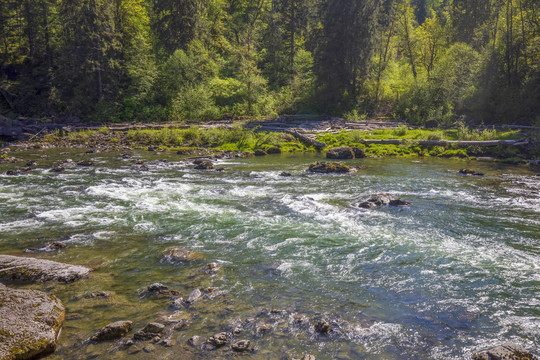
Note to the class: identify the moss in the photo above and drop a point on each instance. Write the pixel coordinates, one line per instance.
(458, 153)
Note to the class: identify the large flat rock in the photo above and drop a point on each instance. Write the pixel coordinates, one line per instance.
(15, 269)
(30, 323)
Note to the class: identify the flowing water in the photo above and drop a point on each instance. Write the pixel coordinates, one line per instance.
(456, 272)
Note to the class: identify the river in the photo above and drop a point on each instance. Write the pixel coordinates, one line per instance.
(456, 272)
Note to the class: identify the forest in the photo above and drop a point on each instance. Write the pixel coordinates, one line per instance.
(176, 60)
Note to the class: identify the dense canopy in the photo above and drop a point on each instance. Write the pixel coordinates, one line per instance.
(150, 60)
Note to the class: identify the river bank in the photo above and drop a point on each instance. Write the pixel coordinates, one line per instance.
(508, 146)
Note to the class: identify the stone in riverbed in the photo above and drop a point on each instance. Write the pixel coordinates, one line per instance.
(218, 340)
(382, 200)
(508, 351)
(205, 165)
(195, 296)
(150, 331)
(113, 331)
(24, 270)
(470, 172)
(31, 322)
(241, 345)
(330, 167)
(322, 326)
(260, 152)
(180, 255)
(194, 340)
(98, 295)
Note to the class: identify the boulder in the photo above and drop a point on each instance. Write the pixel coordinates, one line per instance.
(470, 172)
(260, 152)
(195, 296)
(322, 326)
(341, 153)
(218, 340)
(205, 165)
(87, 162)
(359, 153)
(508, 351)
(150, 331)
(273, 150)
(31, 322)
(181, 255)
(27, 270)
(330, 167)
(382, 200)
(113, 331)
(241, 345)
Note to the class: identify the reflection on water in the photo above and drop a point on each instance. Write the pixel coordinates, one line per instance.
(456, 272)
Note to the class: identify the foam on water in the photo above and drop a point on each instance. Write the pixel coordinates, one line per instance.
(439, 278)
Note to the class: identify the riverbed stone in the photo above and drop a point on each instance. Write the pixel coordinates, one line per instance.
(181, 255)
(195, 296)
(30, 323)
(194, 340)
(470, 172)
(112, 331)
(382, 200)
(322, 326)
(205, 165)
(507, 351)
(17, 269)
(150, 331)
(260, 152)
(330, 167)
(241, 345)
(218, 340)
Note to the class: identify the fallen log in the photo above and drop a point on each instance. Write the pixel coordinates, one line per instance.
(309, 140)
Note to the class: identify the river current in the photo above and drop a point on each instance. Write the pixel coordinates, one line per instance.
(456, 272)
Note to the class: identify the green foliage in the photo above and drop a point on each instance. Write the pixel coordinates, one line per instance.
(144, 60)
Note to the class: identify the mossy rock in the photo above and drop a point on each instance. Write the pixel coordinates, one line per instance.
(31, 322)
(330, 167)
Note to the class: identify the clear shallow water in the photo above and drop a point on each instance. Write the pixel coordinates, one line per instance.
(455, 273)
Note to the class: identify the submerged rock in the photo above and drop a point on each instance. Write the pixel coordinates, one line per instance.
(31, 322)
(112, 331)
(382, 200)
(98, 295)
(322, 326)
(218, 340)
(195, 296)
(285, 174)
(51, 246)
(330, 167)
(181, 255)
(508, 351)
(160, 289)
(150, 331)
(86, 162)
(23, 270)
(241, 345)
(260, 152)
(194, 340)
(470, 172)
